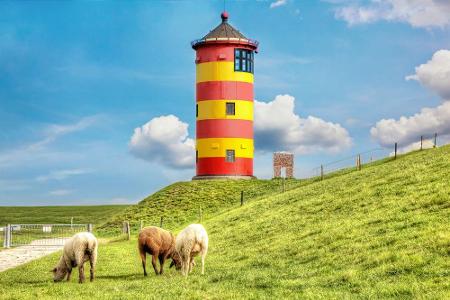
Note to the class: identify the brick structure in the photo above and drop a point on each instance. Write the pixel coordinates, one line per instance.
(283, 160)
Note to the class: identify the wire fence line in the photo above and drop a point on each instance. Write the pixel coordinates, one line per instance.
(349, 163)
(356, 161)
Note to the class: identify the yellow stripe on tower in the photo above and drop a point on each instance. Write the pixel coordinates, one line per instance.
(216, 109)
(221, 71)
(216, 147)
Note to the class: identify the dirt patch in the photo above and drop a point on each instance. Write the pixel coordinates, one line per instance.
(11, 258)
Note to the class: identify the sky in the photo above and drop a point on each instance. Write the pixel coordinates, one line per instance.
(97, 99)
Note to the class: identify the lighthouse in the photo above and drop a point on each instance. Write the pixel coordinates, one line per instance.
(224, 103)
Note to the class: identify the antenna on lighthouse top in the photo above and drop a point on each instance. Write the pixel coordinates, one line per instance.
(224, 14)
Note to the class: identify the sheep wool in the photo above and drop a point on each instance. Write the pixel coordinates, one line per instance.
(191, 241)
(80, 248)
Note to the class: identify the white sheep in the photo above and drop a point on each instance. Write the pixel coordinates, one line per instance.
(80, 248)
(189, 243)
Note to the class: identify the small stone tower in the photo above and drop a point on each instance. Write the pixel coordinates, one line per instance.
(283, 160)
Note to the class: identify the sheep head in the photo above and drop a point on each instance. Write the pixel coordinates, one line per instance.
(59, 274)
(176, 261)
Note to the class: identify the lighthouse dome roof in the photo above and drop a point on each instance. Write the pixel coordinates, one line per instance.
(224, 32)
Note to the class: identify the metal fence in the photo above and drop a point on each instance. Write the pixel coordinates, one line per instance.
(356, 161)
(40, 234)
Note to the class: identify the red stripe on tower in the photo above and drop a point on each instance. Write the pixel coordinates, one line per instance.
(224, 90)
(217, 166)
(215, 128)
(217, 52)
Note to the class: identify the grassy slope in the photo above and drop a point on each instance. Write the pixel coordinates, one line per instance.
(381, 232)
(180, 203)
(58, 214)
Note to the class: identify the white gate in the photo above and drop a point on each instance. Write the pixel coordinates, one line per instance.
(40, 234)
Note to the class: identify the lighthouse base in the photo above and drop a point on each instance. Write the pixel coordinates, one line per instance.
(223, 177)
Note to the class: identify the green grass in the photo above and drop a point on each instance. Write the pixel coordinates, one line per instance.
(382, 232)
(57, 214)
(180, 203)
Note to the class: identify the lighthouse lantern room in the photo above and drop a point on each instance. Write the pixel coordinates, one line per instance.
(224, 103)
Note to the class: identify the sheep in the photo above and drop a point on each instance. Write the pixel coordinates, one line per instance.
(77, 250)
(189, 243)
(159, 243)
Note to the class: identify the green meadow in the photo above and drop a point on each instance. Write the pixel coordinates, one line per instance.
(382, 232)
(58, 214)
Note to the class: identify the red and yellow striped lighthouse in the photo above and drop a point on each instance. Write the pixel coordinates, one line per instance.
(224, 98)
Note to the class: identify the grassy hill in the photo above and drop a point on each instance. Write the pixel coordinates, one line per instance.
(382, 232)
(58, 214)
(180, 203)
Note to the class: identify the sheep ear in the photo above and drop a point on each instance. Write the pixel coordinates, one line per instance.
(172, 264)
(53, 270)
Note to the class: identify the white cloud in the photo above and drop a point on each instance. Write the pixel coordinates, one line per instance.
(417, 13)
(62, 174)
(435, 74)
(60, 192)
(39, 150)
(165, 140)
(278, 3)
(277, 127)
(407, 130)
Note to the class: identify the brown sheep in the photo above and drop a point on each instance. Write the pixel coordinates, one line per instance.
(159, 243)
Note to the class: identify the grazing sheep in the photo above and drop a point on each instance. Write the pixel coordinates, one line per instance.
(189, 243)
(159, 243)
(77, 250)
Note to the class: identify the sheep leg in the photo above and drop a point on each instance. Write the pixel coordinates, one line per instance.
(155, 267)
(162, 259)
(144, 261)
(191, 264)
(69, 272)
(81, 273)
(203, 255)
(185, 265)
(91, 271)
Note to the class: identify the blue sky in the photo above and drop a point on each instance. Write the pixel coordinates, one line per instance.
(77, 78)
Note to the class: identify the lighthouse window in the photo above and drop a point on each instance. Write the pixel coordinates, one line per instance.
(230, 156)
(243, 60)
(230, 109)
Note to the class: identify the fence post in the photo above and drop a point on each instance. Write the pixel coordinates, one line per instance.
(395, 155)
(421, 142)
(142, 225)
(284, 187)
(126, 229)
(4, 237)
(71, 222)
(435, 140)
(161, 222)
(242, 198)
(89, 227)
(8, 236)
(321, 172)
